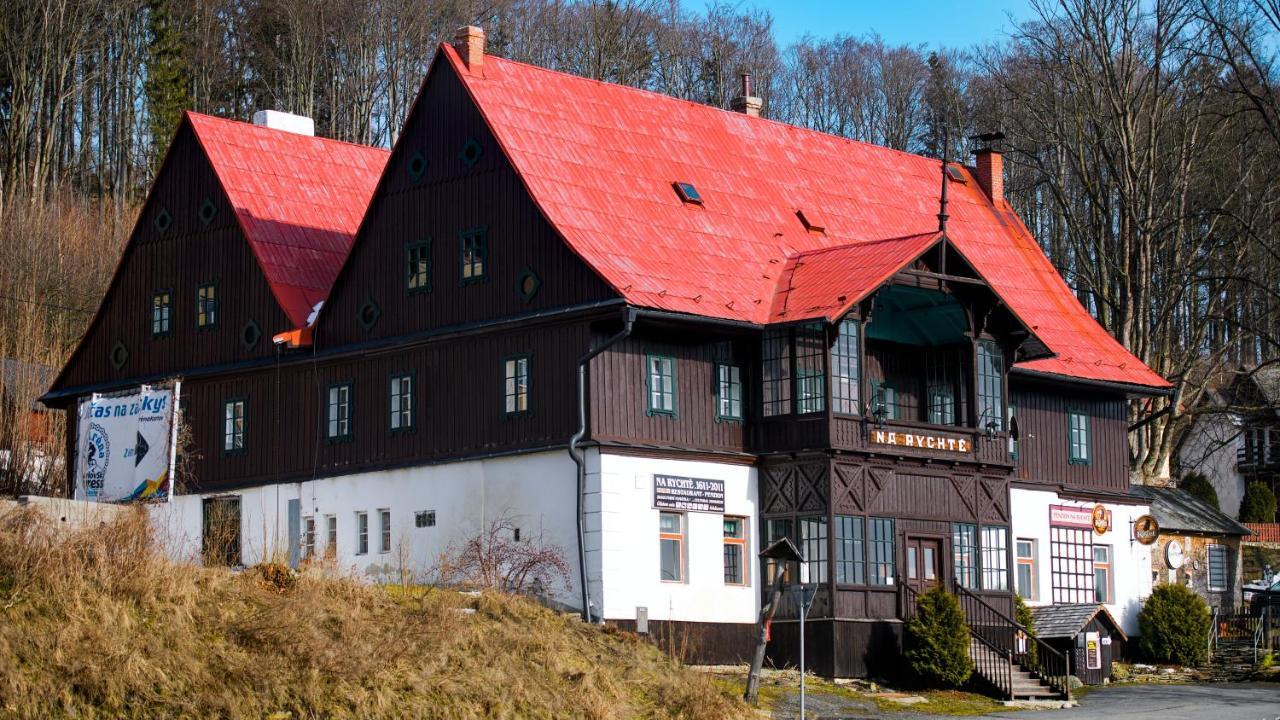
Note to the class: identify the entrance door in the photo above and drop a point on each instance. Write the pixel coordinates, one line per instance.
(924, 562)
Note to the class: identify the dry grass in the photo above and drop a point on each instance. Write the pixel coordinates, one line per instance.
(97, 624)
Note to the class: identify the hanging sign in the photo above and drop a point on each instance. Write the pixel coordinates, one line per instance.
(1101, 518)
(690, 494)
(1146, 529)
(922, 441)
(125, 445)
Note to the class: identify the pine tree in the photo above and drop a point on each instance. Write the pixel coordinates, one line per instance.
(168, 84)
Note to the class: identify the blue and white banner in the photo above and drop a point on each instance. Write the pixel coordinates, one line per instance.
(125, 445)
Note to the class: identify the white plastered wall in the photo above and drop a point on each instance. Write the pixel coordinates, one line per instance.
(536, 490)
(1131, 574)
(623, 544)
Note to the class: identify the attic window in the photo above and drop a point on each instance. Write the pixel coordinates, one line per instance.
(207, 211)
(417, 166)
(688, 193)
(471, 152)
(954, 174)
(811, 221)
(163, 220)
(250, 334)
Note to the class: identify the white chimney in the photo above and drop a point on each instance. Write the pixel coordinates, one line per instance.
(287, 122)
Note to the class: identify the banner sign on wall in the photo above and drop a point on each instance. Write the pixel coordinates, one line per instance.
(1067, 516)
(125, 445)
(692, 494)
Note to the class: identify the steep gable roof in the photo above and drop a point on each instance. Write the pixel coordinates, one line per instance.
(601, 159)
(299, 200)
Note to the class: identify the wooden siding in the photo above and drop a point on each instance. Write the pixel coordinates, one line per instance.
(449, 198)
(458, 394)
(187, 254)
(1043, 446)
(618, 408)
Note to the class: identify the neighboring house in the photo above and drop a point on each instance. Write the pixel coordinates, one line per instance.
(741, 329)
(1235, 438)
(29, 455)
(1198, 546)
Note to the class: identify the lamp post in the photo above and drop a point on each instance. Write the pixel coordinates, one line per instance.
(803, 596)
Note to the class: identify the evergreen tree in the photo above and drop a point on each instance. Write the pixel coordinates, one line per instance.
(1259, 504)
(1197, 485)
(937, 642)
(168, 84)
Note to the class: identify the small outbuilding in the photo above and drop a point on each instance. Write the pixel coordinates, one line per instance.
(1086, 633)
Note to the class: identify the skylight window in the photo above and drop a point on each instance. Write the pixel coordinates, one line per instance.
(688, 193)
(954, 174)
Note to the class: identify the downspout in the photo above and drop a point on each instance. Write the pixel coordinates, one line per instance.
(579, 458)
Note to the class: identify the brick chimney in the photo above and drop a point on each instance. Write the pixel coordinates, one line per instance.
(469, 42)
(990, 171)
(747, 103)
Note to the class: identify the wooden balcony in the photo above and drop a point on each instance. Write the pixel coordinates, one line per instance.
(1258, 458)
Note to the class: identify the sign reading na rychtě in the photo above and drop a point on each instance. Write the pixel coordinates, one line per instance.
(690, 494)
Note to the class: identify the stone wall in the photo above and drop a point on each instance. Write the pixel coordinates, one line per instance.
(1194, 571)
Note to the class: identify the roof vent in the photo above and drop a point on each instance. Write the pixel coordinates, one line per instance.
(288, 122)
(812, 221)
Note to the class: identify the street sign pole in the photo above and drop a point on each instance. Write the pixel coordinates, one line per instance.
(803, 593)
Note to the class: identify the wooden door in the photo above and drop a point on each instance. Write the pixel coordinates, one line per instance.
(924, 563)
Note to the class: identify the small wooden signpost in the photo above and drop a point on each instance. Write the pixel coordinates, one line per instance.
(782, 551)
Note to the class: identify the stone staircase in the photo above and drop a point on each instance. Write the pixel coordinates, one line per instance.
(1232, 661)
(1026, 685)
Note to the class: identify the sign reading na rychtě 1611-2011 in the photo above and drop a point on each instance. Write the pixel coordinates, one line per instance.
(691, 494)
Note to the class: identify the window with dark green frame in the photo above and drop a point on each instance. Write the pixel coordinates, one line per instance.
(941, 367)
(1079, 450)
(418, 267)
(884, 399)
(990, 379)
(775, 371)
(161, 311)
(728, 392)
(964, 546)
(813, 545)
(846, 376)
(660, 374)
(883, 557)
(811, 379)
(515, 385)
(207, 305)
(401, 402)
(233, 415)
(338, 416)
(474, 256)
(850, 553)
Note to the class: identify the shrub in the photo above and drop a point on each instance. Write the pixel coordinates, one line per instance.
(1174, 626)
(1022, 615)
(1258, 505)
(937, 641)
(1197, 485)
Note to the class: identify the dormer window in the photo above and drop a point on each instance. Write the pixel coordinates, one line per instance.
(688, 193)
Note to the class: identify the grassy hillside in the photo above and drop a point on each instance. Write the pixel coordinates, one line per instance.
(97, 624)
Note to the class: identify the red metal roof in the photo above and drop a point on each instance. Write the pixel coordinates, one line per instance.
(600, 160)
(826, 283)
(299, 200)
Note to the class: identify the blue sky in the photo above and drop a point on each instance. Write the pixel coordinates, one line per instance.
(935, 23)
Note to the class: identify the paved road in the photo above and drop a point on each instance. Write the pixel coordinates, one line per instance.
(1236, 701)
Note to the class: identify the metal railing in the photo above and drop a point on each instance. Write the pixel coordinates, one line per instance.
(999, 643)
(1213, 632)
(1016, 642)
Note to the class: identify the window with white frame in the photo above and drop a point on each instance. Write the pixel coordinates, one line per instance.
(1102, 574)
(1217, 567)
(362, 533)
(1071, 565)
(845, 369)
(995, 558)
(661, 381)
(883, 554)
(331, 535)
(308, 537)
(1026, 558)
(233, 425)
(671, 546)
(384, 539)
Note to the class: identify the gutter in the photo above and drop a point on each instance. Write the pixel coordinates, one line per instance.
(1126, 388)
(579, 457)
(1166, 410)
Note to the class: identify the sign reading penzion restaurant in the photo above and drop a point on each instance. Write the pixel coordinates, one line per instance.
(691, 494)
(922, 441)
